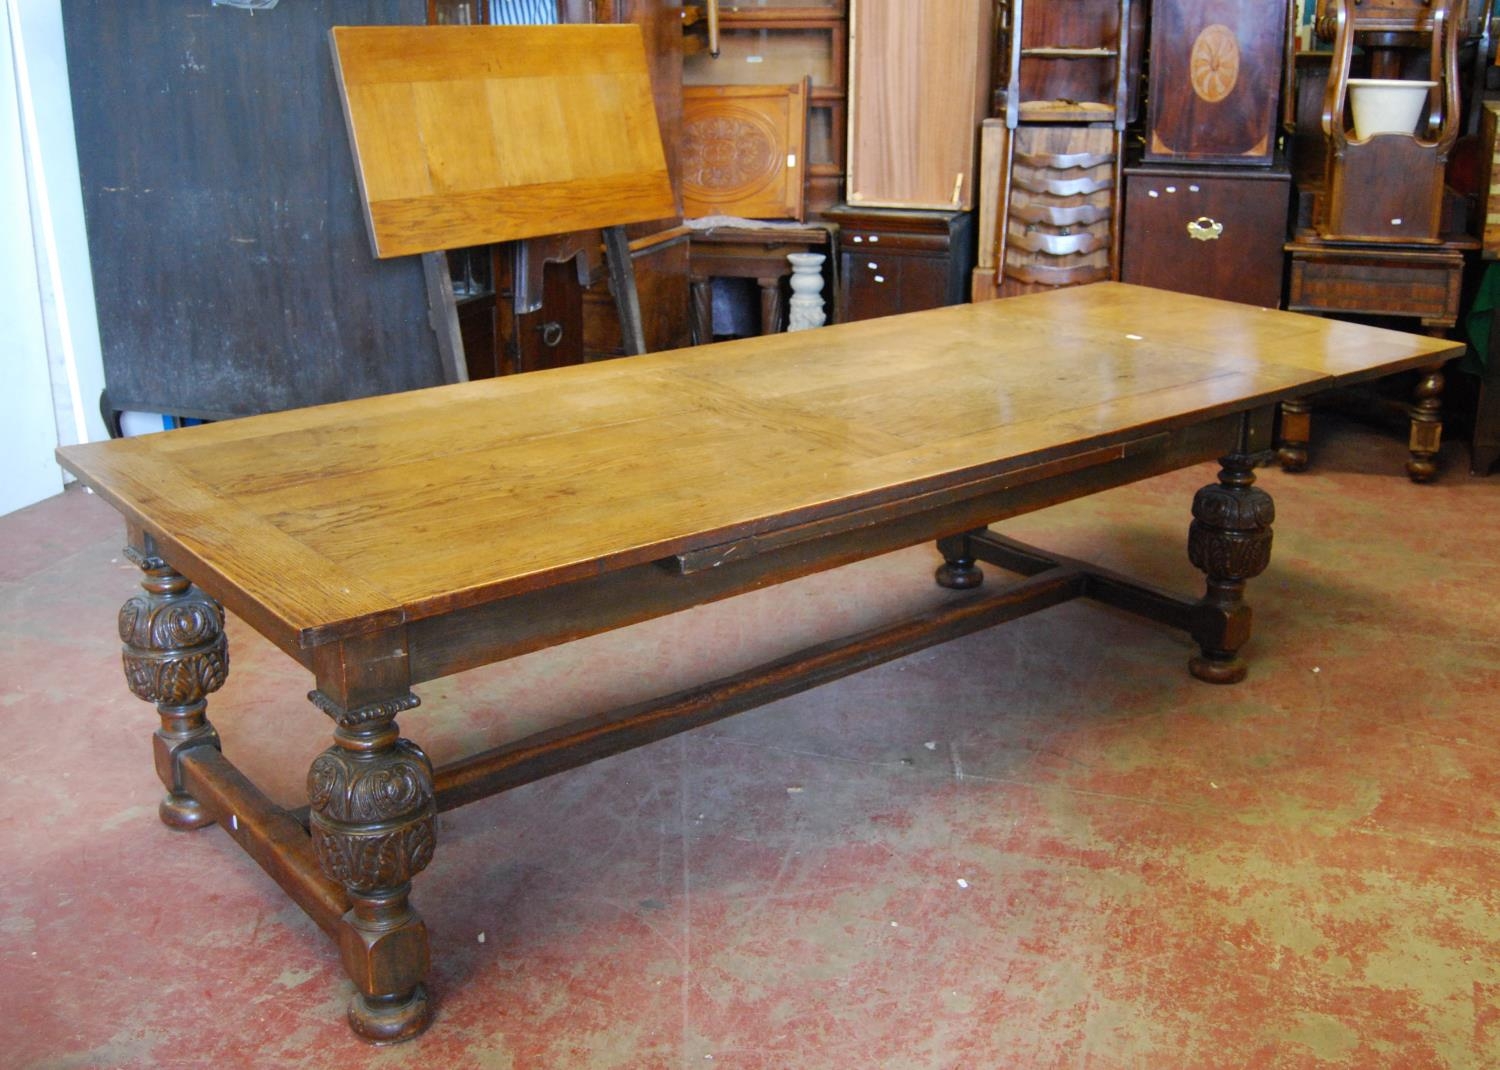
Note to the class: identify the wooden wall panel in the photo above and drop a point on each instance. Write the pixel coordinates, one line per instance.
(232, 274)
(919, 85)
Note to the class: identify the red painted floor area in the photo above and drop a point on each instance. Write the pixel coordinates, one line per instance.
(1040, 846)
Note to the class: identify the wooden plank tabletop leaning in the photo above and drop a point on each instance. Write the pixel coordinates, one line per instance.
(393, 540)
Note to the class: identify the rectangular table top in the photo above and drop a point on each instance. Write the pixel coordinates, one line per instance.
(338, 519)
(464, 135)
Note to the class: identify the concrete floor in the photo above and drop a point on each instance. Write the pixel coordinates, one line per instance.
(1041, 846)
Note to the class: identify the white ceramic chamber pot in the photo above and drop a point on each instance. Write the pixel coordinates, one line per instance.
(1386, 105)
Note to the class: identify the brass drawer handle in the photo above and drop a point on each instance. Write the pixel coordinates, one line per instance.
(1204, 229)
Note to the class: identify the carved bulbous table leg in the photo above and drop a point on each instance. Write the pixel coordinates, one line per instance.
(1426, 427)
(958, 572)
(175, 655)
(1230, 541)
(373, 824)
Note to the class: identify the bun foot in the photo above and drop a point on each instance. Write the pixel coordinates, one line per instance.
(390, 1019)
(1292, 458)
(1212, 670)
(181, 811)
(1422, 469)
(959, 575)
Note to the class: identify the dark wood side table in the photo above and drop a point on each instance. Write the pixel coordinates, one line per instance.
(1420, 282)
(901, 259)
(758, 253)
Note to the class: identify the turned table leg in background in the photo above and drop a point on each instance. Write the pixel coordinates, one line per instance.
(175, 654)
(1230, 541)
(771, 304)
(373, 825)
(1420, 283)
(1295, 434)
(701, 290)
(1426, 425)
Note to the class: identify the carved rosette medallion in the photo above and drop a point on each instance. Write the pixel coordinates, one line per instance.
(175, 653)
(373, 815)
(1214, 65)
(729, 156)
(1230, 537)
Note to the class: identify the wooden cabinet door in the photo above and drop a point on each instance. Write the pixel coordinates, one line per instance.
(1215, 80)
(1211, 233)
(919, 85)
(742, 150)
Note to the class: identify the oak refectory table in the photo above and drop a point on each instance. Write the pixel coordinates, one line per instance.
(392, 540)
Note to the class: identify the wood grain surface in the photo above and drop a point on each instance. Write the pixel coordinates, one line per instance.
(465, 135)
(918, 88)
(347, 517)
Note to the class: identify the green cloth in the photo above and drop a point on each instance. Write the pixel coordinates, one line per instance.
(1477, 323)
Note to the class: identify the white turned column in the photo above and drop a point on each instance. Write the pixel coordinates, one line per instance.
(807, 291)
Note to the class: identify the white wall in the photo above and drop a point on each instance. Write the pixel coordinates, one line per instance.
(51, 373)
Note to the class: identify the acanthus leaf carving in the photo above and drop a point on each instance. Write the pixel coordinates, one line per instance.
(1230, 536)
(373, 815)
(175, 652)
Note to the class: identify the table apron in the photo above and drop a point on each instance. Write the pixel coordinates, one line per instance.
(479, 635)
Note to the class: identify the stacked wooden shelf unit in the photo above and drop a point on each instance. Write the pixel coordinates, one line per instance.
(1050, 164)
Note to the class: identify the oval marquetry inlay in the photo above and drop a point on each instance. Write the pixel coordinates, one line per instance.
(1215, 63)
(729, 155)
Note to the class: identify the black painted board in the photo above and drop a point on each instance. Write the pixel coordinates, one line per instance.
(232, 271)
